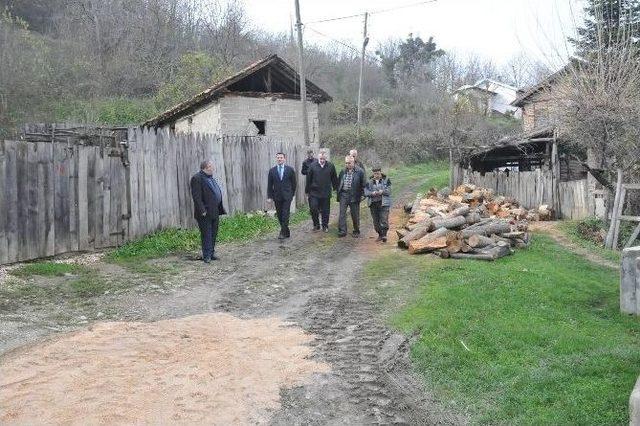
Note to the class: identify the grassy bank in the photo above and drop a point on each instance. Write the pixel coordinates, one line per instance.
(570, 229)
(427, 175)
(535, 338)
(240, 227)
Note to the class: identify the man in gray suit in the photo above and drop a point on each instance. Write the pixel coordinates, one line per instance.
(351, 183)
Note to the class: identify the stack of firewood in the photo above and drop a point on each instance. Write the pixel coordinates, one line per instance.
(468, 223)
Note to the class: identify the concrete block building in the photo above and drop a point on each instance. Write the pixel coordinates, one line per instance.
(263, 99)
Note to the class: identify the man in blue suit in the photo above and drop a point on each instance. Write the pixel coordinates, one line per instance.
(281, 188)
(207, 208)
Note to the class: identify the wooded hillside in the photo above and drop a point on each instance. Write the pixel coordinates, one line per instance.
(121, 62)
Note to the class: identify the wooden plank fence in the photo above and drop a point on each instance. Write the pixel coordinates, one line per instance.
(533, 188)
(59, 197)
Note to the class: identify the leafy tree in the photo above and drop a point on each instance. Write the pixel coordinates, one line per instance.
(409, 62)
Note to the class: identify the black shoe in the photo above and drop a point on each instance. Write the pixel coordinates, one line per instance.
(316, 228)
(281, 235)
(325, 229)
(206, 260)
(355, 234)
(384, 239)
(215, 258)
(341, 235)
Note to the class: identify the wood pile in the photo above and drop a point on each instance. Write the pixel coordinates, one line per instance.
(467, 223)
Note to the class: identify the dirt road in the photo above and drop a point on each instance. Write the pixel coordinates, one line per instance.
(310, 281)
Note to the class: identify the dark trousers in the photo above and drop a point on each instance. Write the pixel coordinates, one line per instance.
(320, 207)
(283, 210)
(208, 234)
(354, 208)
(380, 216)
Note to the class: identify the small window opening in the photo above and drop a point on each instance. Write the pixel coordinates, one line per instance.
(261, 125)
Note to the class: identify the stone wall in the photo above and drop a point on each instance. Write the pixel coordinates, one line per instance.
(630, 281)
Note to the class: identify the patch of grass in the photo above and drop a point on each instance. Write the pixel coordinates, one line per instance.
(47, 269)
(432, 174)
(86, 284)
(546, 341)
(574, 230)
(240, 227)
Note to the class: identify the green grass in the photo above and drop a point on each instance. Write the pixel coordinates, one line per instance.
(47, 269)
(570, 229)
(240, 227)
(432, 174)
(84, 283)
(547, 344)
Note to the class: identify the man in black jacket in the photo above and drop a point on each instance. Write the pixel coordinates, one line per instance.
(321, 179)
(281, 188)
(307, 162)
(350, 190)
(207, 208)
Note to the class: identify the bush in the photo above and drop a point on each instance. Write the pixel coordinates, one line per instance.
(592, 229)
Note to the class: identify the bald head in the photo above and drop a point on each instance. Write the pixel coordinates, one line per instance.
(349, 162)
(354, 154)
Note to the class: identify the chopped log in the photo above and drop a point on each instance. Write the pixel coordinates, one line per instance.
(454, 246)
(449, 223)
(416, 204)
(498, 251)
(478, 241)
(417, 233)
(444, 254)
(429, 242)
(514, 234)
(415, 247)
(473, 218)
(482, 210)
(489, 254)
(500, 240)
(493, 227)
(401, 233)
(465, 248)
(435, 212)
(460, 211)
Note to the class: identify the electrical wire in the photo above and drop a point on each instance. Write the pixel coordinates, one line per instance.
(391, 9)
(344, 44)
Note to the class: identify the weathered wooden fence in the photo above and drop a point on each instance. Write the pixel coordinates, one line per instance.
(58, 197)
(534, 188)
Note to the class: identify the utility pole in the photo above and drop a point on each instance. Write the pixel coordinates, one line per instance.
(364, 47)
(303, 79)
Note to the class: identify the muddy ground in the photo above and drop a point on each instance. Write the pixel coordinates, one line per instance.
(311, 280)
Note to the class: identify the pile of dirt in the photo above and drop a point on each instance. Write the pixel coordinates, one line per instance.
(204, 369)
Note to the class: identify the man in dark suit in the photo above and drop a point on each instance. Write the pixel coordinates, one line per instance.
(307, 162)
(350, 192)
(207, 208)
(281, 188)
(321, 179)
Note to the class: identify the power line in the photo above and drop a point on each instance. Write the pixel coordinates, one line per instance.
(391, 9)
(344, 44)
(335, 19)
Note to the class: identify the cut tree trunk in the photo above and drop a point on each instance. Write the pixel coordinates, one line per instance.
(429, 242)
(417, 233)
(460, 211)
(494, 227)
(449, 223)
(478, 241)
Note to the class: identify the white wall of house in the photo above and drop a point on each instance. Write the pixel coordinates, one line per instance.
(233, 115)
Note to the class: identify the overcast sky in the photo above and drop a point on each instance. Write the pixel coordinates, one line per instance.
(496, 29)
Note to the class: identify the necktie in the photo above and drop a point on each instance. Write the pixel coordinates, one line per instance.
(280, 172)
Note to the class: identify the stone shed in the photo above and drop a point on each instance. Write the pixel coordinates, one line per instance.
(263, 99)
